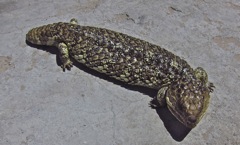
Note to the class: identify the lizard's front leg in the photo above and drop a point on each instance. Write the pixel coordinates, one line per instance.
(159, 100)
(64, 56)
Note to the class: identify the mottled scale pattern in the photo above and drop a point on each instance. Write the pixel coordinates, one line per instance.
(184, 90)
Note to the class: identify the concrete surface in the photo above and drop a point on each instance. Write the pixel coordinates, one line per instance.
(42, 105)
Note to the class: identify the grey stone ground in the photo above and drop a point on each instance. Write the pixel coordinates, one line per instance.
(41, 105)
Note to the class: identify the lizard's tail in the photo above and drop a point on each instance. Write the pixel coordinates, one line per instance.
(43, 35)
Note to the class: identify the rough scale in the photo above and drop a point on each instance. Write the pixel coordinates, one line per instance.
(184, 90)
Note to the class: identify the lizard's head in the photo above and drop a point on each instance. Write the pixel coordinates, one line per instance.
(188, 99)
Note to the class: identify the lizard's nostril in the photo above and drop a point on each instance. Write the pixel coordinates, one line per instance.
(192, 119)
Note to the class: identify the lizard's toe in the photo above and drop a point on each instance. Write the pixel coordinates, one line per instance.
(67, 65)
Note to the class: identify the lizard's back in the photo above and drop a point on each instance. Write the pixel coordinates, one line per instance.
(118, 55)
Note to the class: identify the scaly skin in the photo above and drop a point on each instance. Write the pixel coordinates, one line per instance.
(185, 91)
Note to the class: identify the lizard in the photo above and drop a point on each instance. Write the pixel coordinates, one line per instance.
(184, 90)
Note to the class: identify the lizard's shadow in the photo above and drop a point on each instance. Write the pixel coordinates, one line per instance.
(176, 129)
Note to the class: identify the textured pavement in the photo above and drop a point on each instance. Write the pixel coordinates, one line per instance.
(42, 105)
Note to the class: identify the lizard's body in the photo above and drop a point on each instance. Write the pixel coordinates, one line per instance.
(133, 61)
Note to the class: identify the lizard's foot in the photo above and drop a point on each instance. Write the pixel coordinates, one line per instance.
(154, 103)
(64, 56)
(74, 21)
(159, 100)
(210, 86)
(67, 65)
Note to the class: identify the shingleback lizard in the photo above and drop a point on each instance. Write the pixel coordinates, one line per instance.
(184, 90)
